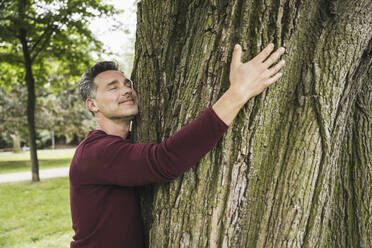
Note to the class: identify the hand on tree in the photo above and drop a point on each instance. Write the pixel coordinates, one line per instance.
(251, 78)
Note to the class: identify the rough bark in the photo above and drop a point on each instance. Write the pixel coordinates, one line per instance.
(295, 167)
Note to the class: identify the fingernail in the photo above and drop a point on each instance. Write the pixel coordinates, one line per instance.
(271, 45)
(282, 49)
(236, 46)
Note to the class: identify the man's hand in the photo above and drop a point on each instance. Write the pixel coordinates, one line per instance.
(251, 78)
(248, 80)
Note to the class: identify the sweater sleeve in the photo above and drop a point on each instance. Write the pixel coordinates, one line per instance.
(126, 164)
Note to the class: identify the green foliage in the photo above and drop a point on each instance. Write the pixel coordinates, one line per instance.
(66, 114)
(13, 111)
(57, 35)
(43, 138)
(62, 112)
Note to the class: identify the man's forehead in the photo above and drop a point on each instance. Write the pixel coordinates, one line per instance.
(108, 76)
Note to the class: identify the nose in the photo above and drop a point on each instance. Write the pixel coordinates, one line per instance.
(126, 90)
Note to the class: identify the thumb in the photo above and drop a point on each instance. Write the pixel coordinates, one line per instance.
(236, 57)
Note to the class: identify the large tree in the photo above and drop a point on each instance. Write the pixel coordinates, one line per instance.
(295, 167)
(39, 37)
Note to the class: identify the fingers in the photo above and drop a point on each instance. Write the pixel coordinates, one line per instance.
(236, 56)
(274, 57)
(273, 79)
(264, 53)
(273, 74)
(273, 70)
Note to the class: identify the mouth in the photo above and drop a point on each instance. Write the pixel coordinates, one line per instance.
(127, 101)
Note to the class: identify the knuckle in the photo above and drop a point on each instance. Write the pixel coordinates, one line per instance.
(270, 61)
(267, 73)
(262, 68)
(277, 67)
(267, 52)
(263, 76)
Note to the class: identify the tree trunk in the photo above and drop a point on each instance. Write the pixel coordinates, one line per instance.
(31, 98)
(294, 169)
(16, 142)
(53, 140)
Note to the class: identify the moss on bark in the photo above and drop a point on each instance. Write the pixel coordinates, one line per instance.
(294, 169)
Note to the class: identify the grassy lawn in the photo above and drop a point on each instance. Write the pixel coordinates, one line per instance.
(35, 214)
(16, 162)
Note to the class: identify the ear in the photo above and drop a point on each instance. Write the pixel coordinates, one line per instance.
(91, 105)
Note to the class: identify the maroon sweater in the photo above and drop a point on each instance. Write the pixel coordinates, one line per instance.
(106, 169)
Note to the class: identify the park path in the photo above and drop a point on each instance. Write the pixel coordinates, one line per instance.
(24, 176)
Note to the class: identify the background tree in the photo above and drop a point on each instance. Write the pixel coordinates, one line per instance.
(61, 114)
(13, 124)
(66, 115)
(43, 36)
(294, 169)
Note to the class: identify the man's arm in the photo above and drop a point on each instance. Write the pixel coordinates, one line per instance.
(248, 80)
(108, 159)
(126, 164)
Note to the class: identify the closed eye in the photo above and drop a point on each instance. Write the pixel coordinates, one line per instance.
(128, 83)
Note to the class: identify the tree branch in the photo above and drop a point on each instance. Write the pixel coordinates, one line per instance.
(46, 32)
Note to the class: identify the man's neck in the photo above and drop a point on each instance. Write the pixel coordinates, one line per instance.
(117, 127)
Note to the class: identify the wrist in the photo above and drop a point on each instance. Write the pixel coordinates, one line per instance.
(228, 106)
(238, 97)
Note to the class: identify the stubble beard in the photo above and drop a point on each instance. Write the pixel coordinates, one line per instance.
(126, 117)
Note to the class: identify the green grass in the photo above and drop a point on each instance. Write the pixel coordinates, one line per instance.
(16, 162)
(35, 214)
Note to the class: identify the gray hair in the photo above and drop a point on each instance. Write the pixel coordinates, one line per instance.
(87, 87)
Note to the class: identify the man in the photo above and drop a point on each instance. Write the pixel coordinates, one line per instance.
(106, 167)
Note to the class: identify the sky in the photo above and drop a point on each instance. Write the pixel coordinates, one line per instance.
(118, 33)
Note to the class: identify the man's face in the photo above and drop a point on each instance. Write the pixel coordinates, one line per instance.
(115, 98)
